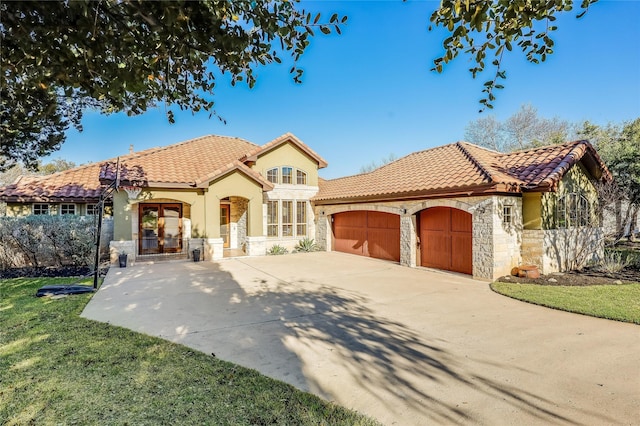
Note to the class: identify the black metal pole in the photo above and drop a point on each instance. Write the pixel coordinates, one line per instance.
(96, 266)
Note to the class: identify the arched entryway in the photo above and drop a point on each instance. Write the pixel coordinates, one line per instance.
(446, 239)
(367, 233)
(160, 228)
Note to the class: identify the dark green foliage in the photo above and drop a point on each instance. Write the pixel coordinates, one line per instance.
(44, 240)
(59, 58)
(487, 29)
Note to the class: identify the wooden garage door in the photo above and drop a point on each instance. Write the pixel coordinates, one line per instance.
(367, 233)
(445, 239)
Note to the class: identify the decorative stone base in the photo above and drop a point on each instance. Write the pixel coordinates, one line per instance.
(256, 246)
(214, 248)
(118, 247)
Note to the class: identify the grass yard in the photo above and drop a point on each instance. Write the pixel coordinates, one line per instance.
(617, 302)
(58, 368)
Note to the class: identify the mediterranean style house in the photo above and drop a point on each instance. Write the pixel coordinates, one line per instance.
(457, 207)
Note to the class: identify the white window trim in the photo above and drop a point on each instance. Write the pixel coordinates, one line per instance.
(294, 222)
(33, 209)
(75, 209)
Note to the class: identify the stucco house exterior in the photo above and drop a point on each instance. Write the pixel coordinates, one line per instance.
(457, 207)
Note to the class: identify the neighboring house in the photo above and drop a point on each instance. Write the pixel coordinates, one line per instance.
(458, 207)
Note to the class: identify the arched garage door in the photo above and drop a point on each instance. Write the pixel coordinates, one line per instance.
(445, 239)
(367, 233)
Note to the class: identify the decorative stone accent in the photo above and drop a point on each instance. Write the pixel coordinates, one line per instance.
(214, 248)
(323, 231)
(408, 241)
(256, 246)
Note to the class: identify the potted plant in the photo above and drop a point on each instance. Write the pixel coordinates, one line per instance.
(122, 259)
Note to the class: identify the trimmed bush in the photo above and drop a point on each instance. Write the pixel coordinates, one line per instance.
(42, 241)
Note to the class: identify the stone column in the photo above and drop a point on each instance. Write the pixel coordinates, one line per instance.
(408, 241)
(256, 246)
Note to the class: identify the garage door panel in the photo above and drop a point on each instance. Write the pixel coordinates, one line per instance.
(437, 247)
(461, 253)
(446, 239)
(384, 243)
(350, 240)
(367, 233)
(356, 219)
(460, 221)
(435, 219)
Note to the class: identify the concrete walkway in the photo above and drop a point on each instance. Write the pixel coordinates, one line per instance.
(406, 346)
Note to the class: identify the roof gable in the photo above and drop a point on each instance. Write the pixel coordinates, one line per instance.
(253, 155)
(466, 169)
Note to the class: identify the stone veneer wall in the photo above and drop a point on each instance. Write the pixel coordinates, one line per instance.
(239, 218)
(496, 246)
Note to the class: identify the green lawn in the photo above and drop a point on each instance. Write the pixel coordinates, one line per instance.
(617, 302)
(58, 368)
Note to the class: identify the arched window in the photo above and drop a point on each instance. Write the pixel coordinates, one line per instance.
(301, 177)
(272, 175)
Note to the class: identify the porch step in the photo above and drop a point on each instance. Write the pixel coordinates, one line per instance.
(162, 258)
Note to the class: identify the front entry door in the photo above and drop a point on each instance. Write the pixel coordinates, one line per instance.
(160, 228)
(225, 222)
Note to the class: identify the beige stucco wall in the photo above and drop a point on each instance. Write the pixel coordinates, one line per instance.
(235, 184)
(21, 209)
(288, 155)
(18, 209)
(532, 210)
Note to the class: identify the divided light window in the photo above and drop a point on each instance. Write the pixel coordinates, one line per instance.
(287, 175)
(572, 210)
(272, 218)
(301, 177)
(507, 215)
(272, 175)
(92, 209)
(301, 218)
(287, 218)
(41, 209)
(67, 209)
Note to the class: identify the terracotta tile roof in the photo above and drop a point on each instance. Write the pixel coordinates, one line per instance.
(193, 163)
(464, 169)
(79, 184)
(182, 164)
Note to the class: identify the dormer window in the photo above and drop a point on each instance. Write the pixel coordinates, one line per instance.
(287, 175)
(301, 177)
(272, 175)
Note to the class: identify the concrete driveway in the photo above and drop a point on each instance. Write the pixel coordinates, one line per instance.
(406, 346)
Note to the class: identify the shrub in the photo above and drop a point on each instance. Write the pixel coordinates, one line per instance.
(277, 249)
(614, 261)
(306, 245)
(40, 241)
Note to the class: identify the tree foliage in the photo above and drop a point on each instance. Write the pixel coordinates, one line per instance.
(487, 29)
(61, 57)
(524, 129)
(375, 164)
(619, 147)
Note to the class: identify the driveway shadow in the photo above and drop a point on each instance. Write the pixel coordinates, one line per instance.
(324, 339)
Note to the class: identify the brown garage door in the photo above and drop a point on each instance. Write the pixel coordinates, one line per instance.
(445, 239)
(367, 233)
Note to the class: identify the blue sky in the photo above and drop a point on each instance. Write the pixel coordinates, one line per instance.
(370, 92)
